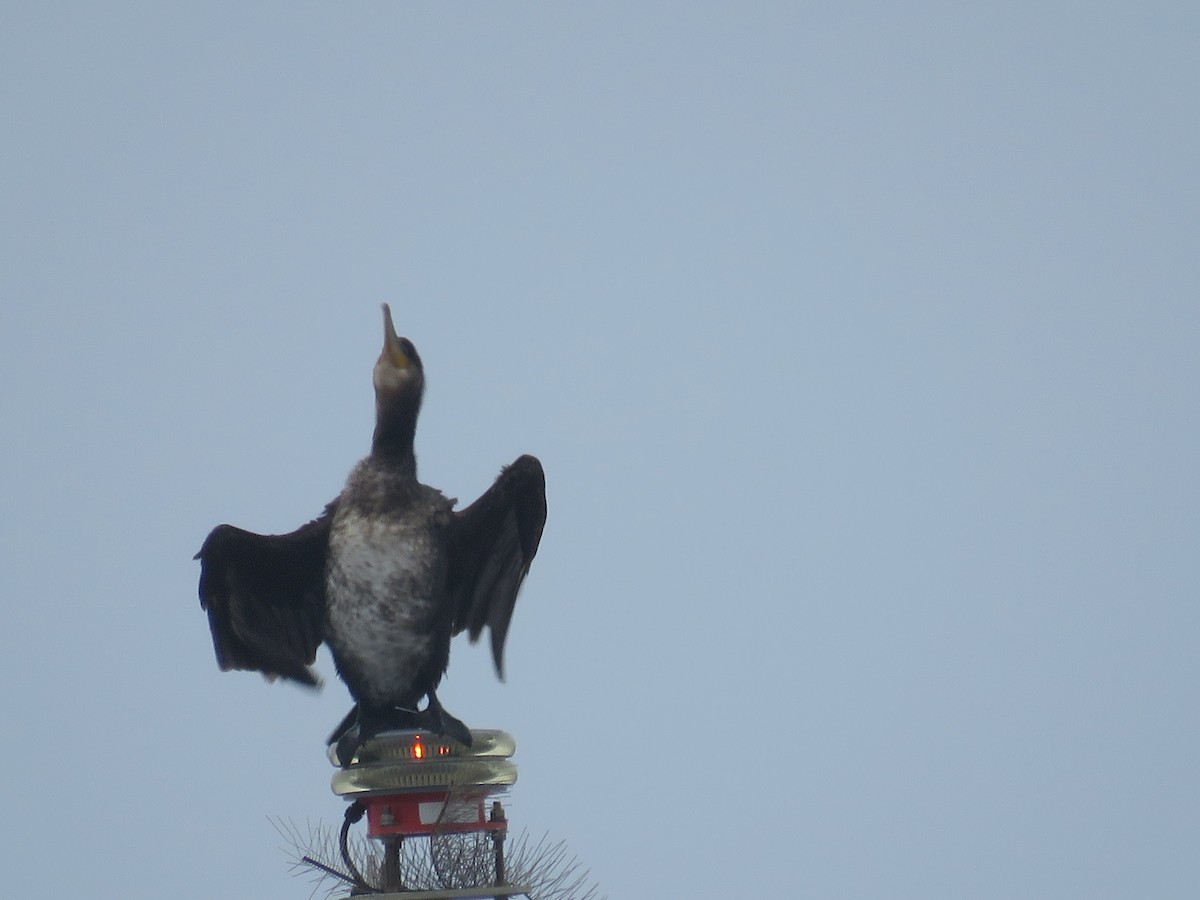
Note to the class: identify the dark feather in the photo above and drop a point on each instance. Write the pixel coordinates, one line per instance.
(265, 597)
(492, 543)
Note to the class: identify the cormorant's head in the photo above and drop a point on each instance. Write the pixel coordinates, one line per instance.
(399, 368)
(399, 384)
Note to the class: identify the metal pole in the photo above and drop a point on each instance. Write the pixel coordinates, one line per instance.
(389, 875)
(498, 835)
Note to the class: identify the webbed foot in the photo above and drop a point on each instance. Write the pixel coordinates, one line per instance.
(347, 723)
(347, 746)
(435, 718)
(363, 722)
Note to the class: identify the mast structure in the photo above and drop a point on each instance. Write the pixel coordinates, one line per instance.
(416, 785)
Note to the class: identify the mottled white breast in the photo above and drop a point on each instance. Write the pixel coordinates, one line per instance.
(384, 583)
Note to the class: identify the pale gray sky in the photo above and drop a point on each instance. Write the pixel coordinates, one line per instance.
(859, 342)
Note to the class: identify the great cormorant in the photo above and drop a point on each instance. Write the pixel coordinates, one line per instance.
(385, 576)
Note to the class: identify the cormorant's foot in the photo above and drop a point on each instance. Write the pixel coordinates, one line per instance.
(363, 723)
(348, 722)
(456, 729)
(347, 745)
(435, 718)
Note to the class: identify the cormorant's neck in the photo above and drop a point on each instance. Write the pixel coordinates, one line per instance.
(395, 428)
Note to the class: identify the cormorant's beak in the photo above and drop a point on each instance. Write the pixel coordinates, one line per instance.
(393, 352)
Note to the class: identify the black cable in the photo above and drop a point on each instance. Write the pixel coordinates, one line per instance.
(354, 812)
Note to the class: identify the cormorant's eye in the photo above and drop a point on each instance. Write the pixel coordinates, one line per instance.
(407, 346)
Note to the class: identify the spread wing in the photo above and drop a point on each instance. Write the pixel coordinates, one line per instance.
(265, 597)
(493, 541)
